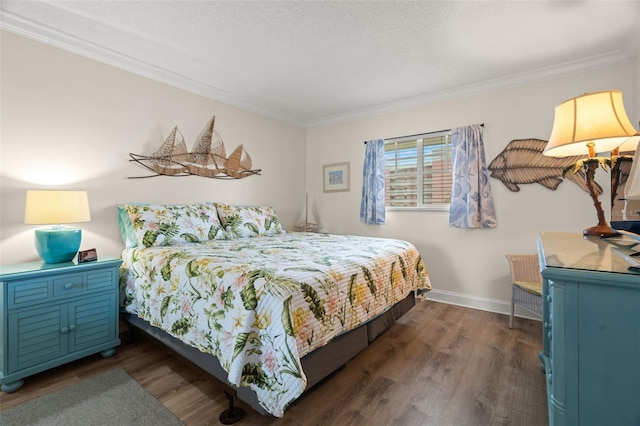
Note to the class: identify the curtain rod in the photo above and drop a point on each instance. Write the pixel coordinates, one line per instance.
(418, 134)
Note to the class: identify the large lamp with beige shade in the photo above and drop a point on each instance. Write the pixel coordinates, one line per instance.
(585, 125)
(48, 207)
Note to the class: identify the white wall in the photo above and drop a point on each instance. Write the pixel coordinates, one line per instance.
(469, 263)
(70, 123)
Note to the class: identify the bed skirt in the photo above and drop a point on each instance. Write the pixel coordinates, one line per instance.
(316, 365)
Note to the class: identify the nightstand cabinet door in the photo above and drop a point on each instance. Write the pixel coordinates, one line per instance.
(92, 321)
(53, 314)
(35, 337)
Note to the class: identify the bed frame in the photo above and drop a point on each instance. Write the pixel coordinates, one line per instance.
(316, 365)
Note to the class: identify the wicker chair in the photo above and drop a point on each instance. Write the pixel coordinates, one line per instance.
(526, 290)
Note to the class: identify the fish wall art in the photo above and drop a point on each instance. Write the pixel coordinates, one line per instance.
(522, 162)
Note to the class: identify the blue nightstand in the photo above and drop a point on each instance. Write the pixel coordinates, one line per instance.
(52, 314)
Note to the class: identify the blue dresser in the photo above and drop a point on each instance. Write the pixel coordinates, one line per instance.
(591, 330)
(55, 313)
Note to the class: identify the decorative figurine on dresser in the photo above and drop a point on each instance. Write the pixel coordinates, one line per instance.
(591, 329)
(56, 310)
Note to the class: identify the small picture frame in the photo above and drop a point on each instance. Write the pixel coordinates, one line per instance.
(90, 255)
(335, 177)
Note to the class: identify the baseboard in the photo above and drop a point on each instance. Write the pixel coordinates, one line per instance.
(481, 303)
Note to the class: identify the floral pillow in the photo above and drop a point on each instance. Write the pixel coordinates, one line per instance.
(249, 221)
(173, 224)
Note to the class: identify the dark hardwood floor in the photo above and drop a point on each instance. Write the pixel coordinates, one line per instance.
(439, 365)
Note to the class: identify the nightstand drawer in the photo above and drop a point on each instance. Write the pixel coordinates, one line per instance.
(27, 292)
(31, 292)
(67, 285)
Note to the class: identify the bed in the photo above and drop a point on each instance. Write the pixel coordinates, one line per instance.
(268, 312)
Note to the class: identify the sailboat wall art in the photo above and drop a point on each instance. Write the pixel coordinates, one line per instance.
(208, 158)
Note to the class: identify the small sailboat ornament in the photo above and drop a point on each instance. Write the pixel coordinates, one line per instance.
(207, 159)
(308, 224)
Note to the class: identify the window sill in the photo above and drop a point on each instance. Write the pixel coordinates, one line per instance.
(434, 207)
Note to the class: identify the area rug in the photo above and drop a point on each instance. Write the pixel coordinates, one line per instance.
(112, 398)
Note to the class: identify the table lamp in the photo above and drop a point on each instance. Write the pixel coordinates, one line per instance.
(584, 125)
(58, 243)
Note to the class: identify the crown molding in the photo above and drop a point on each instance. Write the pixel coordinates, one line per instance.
(515, 80)
(44, 34)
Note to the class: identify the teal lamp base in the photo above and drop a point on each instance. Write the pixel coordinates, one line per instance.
(59, 244)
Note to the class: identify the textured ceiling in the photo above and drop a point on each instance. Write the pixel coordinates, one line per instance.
(314, 62)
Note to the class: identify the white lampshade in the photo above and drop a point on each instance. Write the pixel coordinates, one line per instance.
(596, 119)
(48, 207)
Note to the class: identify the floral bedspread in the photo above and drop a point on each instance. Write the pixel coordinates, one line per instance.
(260, 304)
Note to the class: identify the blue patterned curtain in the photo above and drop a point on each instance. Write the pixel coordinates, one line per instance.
(372, 209)
(471, 199)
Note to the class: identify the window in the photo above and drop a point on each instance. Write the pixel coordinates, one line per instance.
(418, 171)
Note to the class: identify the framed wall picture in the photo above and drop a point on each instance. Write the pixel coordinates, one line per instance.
(336, 177)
